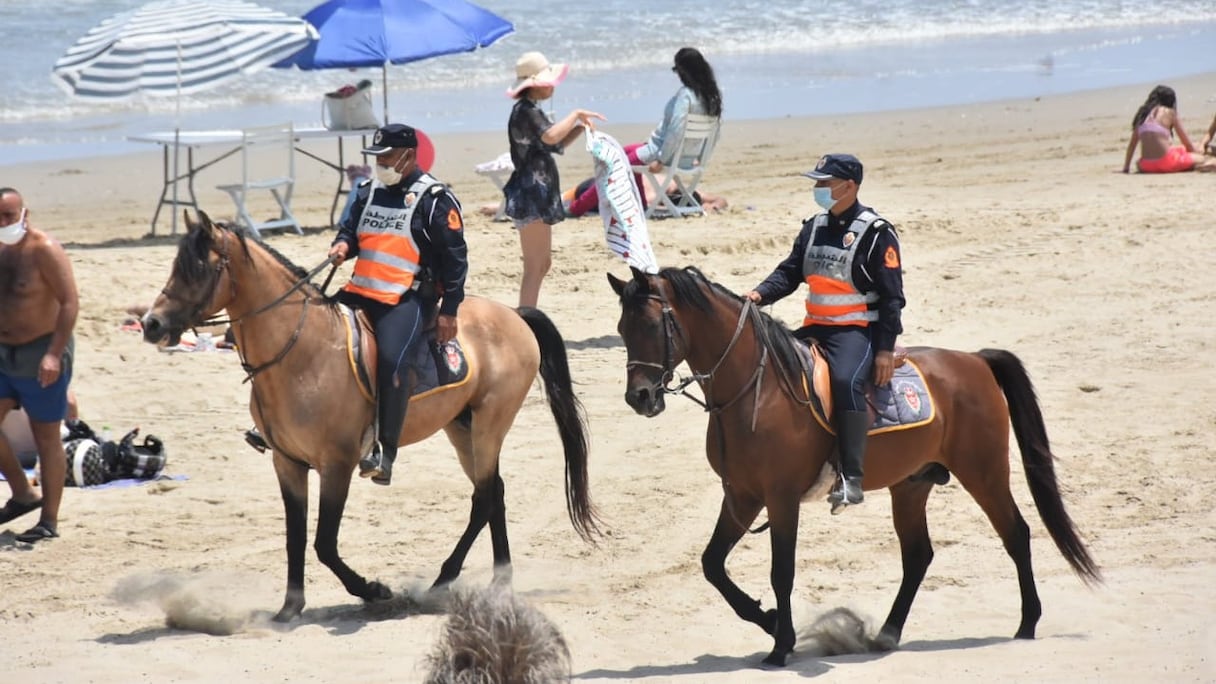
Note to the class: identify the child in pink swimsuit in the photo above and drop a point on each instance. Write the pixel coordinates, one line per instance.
(1153, 129)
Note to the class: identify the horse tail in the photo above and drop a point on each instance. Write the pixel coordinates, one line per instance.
(1037, 459)
(571, 420)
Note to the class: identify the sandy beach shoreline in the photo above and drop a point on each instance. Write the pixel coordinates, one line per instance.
(1018, 232)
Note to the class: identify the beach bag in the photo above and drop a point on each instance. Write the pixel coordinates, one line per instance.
(349, 108)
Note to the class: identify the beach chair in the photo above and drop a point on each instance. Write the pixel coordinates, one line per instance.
(498, 171)
(692, 156)
(267, 147)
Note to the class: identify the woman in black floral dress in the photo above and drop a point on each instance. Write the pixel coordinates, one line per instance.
(533, 192)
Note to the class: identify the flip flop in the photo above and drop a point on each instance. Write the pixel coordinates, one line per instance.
(37, 533)
(14, 509)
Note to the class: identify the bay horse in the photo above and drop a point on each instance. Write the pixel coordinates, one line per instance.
(304, 398)
(770, 453)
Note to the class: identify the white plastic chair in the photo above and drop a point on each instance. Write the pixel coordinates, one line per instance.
(268, 142)
(692, 156)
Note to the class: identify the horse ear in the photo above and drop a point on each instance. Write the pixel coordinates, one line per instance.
(618, 285)
(641, 278)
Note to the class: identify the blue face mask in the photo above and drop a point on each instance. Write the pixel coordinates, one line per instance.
(823, 197)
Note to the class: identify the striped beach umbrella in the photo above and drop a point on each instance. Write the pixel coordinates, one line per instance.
(178, 47)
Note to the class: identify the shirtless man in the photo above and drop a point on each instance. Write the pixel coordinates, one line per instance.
(38, 306)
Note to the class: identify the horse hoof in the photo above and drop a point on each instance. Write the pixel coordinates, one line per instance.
(293, 606)
(1025, 633)
(886, 641)
(775, 659)
(377, 592)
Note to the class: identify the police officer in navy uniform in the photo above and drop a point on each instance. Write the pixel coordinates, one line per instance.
(849, 258)
(407, 231)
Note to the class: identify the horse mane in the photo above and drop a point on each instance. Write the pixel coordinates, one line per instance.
(688, 286)
(192, 256)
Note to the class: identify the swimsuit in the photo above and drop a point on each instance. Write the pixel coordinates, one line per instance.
(19, 380)
(1176, 159)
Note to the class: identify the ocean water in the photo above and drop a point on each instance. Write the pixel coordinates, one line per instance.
(773, 58)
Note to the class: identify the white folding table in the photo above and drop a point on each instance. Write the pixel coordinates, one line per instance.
(190, 140)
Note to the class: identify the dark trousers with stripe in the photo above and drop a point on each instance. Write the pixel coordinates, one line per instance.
(399, 330)
(850, 358)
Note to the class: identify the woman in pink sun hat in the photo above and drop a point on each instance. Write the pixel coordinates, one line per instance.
(533, 192)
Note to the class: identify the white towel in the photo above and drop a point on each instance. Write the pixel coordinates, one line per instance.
(620, 206)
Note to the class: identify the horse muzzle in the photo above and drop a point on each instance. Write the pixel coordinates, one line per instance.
(157, 330)
(646, 400)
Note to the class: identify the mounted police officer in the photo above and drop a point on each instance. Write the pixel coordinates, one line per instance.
(849, 258)
(407, 231)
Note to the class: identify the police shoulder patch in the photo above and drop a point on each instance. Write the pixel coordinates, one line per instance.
(890, 258)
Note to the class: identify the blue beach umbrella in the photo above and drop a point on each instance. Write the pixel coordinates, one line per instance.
(376, 33)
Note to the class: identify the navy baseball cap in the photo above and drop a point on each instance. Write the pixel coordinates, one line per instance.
(842, 166)
(392, 136)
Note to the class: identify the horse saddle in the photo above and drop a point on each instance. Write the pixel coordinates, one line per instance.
(902, 404)
(435, 367)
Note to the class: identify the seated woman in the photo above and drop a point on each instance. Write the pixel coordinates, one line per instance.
(698, 94)
(1153, 129)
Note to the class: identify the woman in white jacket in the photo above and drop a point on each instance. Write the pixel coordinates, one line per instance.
(698, 94)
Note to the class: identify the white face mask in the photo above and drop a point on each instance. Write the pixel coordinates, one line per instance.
(388, 175)
(12, 233)
(823, 197)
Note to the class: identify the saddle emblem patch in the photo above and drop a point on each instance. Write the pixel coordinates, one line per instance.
(452, 357)
(910, 396)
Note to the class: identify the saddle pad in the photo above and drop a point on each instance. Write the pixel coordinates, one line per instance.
(438, 367)
(435, 367)
(903, 404)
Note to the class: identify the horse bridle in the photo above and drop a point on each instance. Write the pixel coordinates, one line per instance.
(220, 267)
(672, 330)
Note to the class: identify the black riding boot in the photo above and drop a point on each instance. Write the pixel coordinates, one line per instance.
(851, 440)
(378, 465)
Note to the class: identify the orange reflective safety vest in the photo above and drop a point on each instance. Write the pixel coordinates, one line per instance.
(832, 298)
(388, 259)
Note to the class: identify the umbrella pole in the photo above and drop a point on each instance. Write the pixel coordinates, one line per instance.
(384, 88)
(177, 133)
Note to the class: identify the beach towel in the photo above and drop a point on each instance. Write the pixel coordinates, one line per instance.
(620, 205)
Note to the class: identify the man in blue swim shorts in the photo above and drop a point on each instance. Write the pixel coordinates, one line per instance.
(38, 307)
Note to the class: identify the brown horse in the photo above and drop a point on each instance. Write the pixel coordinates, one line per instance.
(305, 400)
(770, 453)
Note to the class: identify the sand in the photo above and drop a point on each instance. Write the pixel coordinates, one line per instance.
(1017, 232)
